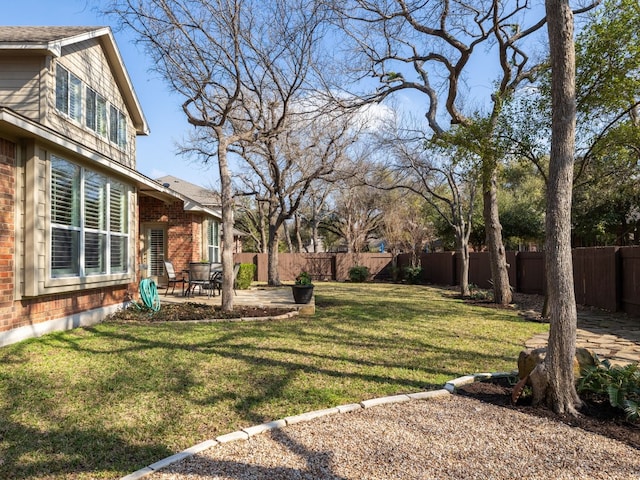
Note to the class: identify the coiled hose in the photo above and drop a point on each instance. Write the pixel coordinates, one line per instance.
(149, 294)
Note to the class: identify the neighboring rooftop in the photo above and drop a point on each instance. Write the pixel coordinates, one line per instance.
(202, 195)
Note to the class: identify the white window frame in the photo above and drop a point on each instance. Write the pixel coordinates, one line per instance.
(69, 93)
(90, 216)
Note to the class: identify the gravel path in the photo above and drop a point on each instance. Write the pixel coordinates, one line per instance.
(448, 438)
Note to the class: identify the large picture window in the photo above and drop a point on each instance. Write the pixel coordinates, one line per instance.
(89, 222)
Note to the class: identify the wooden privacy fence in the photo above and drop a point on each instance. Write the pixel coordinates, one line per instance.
(604, 277)
(321, 266)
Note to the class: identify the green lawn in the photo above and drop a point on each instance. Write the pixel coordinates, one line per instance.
(102, 402)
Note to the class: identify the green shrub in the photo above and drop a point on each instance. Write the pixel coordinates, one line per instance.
(245, 276)
(413, 275)
(620, 384)
(304, 278)
(359, 274)
(477, 293)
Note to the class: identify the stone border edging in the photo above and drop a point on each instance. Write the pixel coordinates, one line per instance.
(246, 433)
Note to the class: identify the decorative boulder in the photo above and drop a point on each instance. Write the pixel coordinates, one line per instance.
(528, 360)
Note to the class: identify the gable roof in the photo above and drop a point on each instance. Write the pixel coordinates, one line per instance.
(51, 40)
(202, 195)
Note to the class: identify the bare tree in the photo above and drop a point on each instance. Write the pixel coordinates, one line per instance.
(356, 214)
(428, 47)
(553, 380)
(315, 211)
(406, 226)
(237, 64)
(252, 219)
(445, 179)
(307, 151)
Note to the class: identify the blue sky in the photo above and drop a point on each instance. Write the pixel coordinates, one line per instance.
(156, 152)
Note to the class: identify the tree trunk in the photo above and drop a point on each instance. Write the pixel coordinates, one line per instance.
(298, 227)
(493, 230)
(314, 234)
(561, 394)
(264, 236)
(226, 194)
(287, 236)
(464, 268)
(272, 255)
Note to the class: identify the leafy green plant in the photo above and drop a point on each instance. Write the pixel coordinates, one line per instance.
(413, 274)
(359, 274)
(476, 293)
(620, 384)
(303, 279)
(245, 276)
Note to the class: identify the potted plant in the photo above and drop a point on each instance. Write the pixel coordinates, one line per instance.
(303, 288)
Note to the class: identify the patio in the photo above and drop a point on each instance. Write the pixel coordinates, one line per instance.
(275, 297)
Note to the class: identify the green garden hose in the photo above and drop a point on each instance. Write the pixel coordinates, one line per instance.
(149, 294)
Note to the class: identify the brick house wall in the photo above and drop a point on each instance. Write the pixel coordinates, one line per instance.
(16, 312)
(7, 232)
(184, 229)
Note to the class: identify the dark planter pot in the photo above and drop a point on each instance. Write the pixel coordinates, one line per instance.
(302, 293)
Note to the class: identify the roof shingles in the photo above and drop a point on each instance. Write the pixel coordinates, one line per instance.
(35, 35)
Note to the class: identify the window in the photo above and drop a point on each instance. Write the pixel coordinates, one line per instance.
(99, 115)
(62, 89)
(117, 127)
(89, 222)
(68, 93)
(213, 238)
(90, 109)
(96, 113)
(155, 251)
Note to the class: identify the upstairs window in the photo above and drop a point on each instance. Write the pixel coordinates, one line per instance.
(89, 222)
(117, 127)
(101, 116)
(86, 106)
(68, 93)
(95, 117)
(90, 118)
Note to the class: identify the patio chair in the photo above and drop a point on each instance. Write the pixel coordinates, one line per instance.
(199, 277)
(173, 278)
(216, 278)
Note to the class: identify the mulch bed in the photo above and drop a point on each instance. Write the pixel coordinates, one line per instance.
(193, 311)
(597, 415)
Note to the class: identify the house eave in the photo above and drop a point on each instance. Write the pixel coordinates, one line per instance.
(22, 127)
